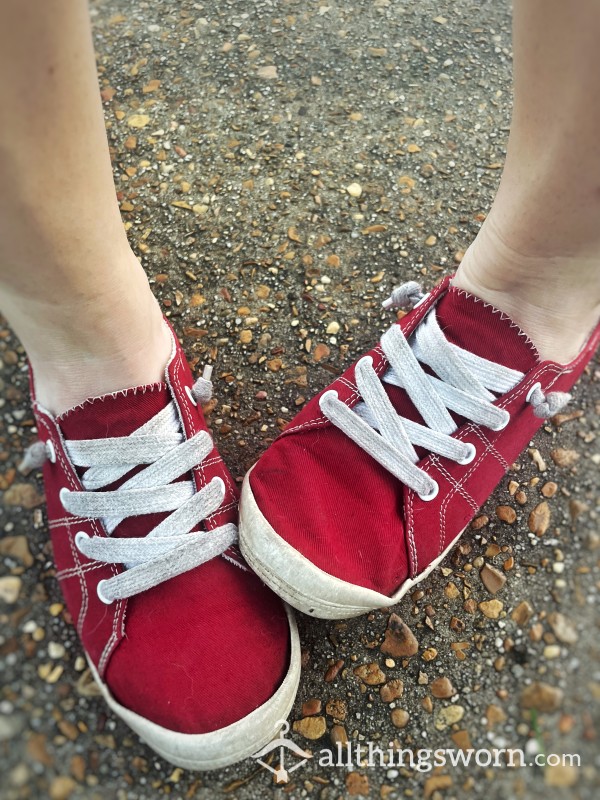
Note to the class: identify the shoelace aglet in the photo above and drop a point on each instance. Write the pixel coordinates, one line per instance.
(546, 406)
(203, 388)
(405, 296)
(33, 458)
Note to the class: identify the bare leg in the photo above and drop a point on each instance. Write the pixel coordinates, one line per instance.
(537, 256)
(70, 285)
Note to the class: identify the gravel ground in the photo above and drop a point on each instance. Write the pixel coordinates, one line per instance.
(236, 130)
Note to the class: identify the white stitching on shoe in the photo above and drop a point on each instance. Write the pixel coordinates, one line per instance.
(461, 382)
(503, 317)
(521, 389)
(465, 385)
(541, 372)
(155, 487)
(73, 572)
(100, 398)
(489, 446)
(112, 640)
(60, 522)
(84, 592)
(456, 486)
(199, 470)
(94, 524)
(410, 532)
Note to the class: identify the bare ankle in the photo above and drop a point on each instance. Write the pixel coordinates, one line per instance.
(140, 360)
(92, 345)
(555, 299)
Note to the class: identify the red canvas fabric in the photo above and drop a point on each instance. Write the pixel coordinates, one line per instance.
(350, 517)
(197, 652)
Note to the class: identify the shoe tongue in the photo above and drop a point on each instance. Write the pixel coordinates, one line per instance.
(117, 414)
(484, 330)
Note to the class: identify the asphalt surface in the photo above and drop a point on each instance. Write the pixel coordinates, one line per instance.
(236, 129)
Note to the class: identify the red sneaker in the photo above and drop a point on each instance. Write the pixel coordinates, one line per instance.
(188, 646)
(373, 482)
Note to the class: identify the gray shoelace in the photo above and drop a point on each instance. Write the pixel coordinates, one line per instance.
(463, 383)
(172, 547)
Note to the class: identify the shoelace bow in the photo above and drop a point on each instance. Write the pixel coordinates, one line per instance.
(463, 383)
(172, 547)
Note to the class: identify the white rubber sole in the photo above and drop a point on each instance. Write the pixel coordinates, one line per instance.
(298, 581)
(217, 749)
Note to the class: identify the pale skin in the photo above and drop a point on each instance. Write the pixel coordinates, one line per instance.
(70, 285)
(77, 297)
(537, 256)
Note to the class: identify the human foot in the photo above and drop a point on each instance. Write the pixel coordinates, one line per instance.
(142, 513)
(372, 483)
(91, 340)
(554, 298)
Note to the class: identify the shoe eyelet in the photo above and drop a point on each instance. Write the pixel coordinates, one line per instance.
(532, 390)
(61, 496)
(502, 425)
(191, 397)
(470, 456)
(101, 596)
(50, 451)
(432, 494)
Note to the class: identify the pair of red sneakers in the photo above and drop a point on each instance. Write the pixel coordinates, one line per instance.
(360, 497)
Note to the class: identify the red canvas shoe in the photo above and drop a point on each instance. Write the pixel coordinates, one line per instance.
(188, 646)
(373, 482)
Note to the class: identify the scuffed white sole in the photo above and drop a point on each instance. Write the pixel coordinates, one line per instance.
(298, 581)
(217, 749)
